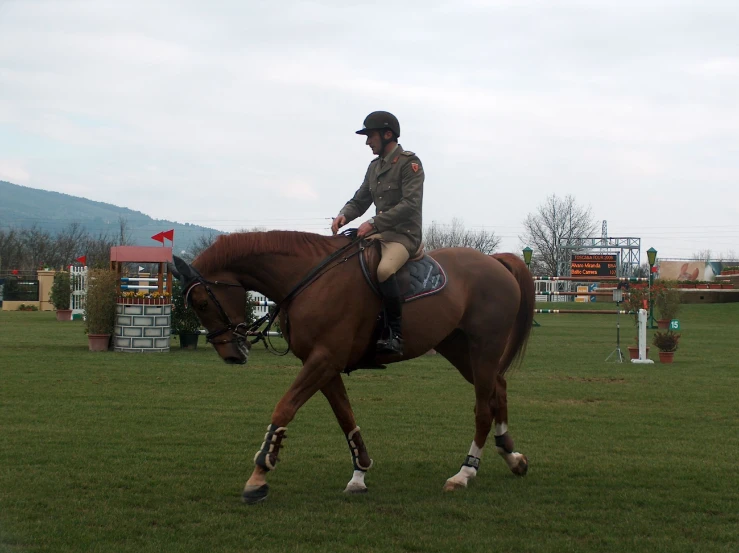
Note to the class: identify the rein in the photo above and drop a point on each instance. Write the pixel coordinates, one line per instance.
(318, 271)
(240, 332)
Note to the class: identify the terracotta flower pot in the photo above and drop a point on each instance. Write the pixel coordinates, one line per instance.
(666, 356)
(634, 352)
(98, 342)
(663, 323)
(63, 314)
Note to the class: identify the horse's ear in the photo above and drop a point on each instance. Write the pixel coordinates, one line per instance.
(182, 270)
(173, 271)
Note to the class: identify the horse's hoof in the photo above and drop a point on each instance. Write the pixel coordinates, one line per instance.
(255, 494)
(522, 467)
(354, 488)
(453, 485)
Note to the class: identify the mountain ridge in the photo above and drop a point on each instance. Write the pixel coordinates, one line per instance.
(24, 207)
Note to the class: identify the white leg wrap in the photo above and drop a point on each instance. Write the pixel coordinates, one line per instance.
(467, 473)
(356, 484)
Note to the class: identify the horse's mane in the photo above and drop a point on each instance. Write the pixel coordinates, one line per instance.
(229, 248)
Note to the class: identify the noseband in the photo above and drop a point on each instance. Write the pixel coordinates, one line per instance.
(239, 332)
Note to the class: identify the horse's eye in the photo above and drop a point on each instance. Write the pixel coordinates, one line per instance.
(202, 306)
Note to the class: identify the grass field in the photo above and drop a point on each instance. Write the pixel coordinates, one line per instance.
(149, 453)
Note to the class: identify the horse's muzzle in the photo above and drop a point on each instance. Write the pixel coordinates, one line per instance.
(243, 354)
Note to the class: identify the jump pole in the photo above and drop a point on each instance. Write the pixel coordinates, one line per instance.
(585, 311)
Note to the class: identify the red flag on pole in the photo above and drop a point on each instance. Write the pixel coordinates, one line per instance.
(159, 237)
(169, 235)
(82, 259)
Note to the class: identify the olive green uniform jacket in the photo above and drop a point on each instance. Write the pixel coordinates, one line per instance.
(395, 186)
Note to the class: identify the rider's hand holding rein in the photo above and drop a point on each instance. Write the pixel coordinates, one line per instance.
(337, 223)
(365, 229)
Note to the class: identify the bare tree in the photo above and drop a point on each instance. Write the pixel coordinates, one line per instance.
(556, 222)
(38, 248)
(438, 236)
(97, 250)
(11, 250)
(702, 255)
(68, 244)
(199, 245)
(252, 229)
(124, 236)
(28, 249)
(642, 271)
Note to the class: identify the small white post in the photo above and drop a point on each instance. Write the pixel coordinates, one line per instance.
(643, 315)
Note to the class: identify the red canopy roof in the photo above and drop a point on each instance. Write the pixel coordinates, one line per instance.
(141, 254)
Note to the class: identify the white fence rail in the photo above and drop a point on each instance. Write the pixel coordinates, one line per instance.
(78, 281)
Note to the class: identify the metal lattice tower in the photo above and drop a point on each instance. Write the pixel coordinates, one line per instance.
(629, 250)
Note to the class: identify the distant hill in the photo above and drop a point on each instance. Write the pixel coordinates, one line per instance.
(23, 207)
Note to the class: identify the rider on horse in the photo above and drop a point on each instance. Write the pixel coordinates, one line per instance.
(394, 183)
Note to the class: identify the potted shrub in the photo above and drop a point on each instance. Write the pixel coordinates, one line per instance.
(185, 323)
(60, 296)
(100, 307)
(667, 343)
(667, 302)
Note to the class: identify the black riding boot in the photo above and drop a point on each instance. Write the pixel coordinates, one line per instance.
(391, 298)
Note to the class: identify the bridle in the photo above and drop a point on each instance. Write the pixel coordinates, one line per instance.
(239, 332)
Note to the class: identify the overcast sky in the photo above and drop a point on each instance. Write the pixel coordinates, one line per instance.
(233, 114)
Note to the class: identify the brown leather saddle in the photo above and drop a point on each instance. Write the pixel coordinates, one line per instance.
(421, 275)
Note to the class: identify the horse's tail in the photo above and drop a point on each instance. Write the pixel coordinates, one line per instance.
(519, 336)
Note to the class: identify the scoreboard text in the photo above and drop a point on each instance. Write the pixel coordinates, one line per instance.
(602, 265)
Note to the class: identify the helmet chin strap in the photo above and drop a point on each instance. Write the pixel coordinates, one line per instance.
(384, 142)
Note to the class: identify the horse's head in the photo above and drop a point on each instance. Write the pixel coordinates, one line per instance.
(220, 304)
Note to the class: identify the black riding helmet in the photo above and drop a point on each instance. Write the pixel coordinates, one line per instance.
(380, 120)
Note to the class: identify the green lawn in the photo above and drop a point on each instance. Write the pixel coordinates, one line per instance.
(149, 453)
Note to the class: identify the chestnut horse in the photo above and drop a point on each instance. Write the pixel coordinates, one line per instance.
(480, 321)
